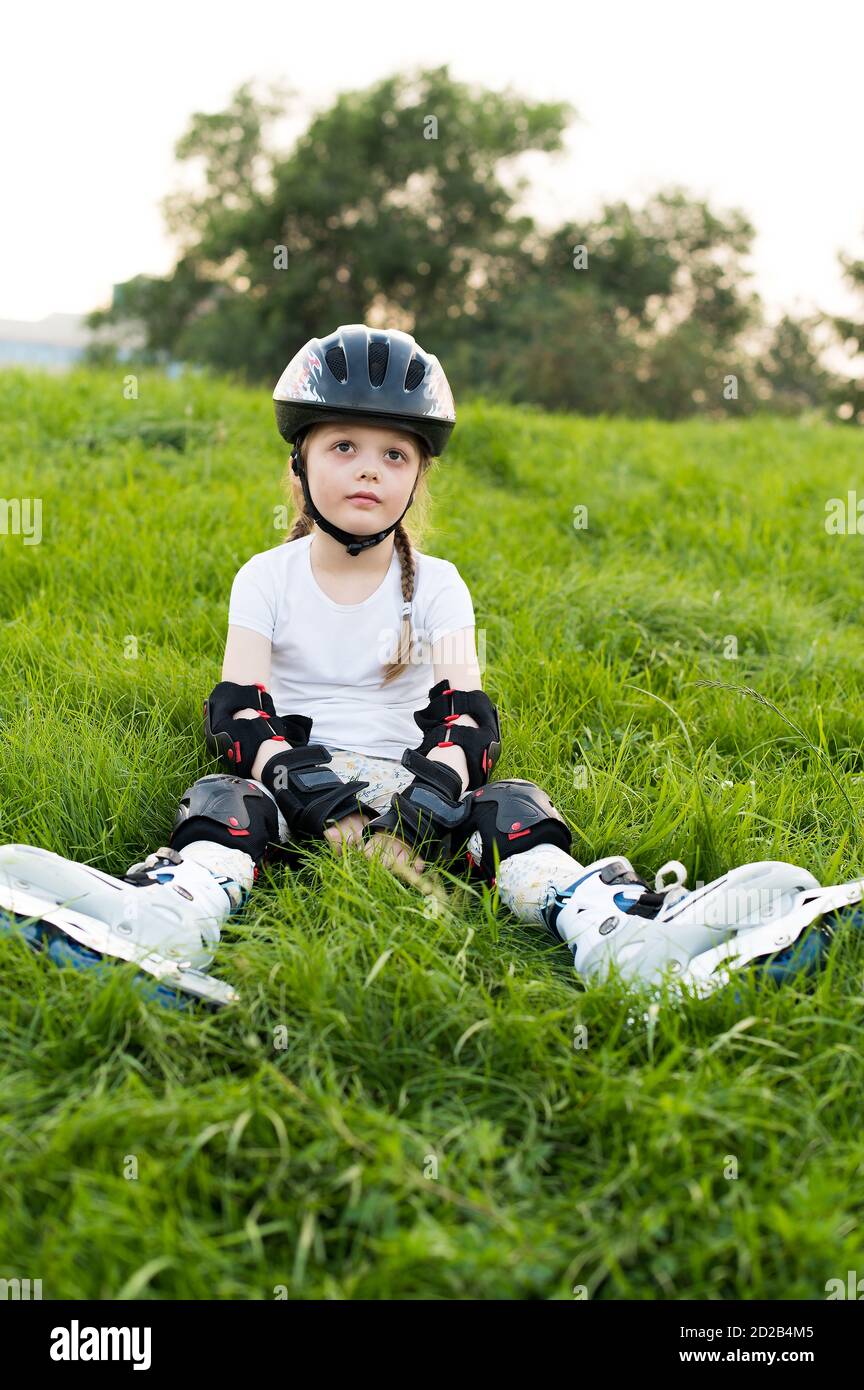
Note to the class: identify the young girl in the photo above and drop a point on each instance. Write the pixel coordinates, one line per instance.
(361, 640)
(349, 622)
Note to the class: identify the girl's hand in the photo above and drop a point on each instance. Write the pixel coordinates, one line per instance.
(394, 852)
(346, 831)
(401, 859)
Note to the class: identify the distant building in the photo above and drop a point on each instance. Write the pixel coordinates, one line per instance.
(56, 341)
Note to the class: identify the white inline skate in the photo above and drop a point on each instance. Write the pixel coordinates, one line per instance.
(699, 939)
(164, 915)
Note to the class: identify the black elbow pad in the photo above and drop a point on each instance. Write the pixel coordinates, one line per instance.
(482, 746)
(236, 741)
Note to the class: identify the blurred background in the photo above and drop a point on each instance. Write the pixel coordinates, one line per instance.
(631, 211)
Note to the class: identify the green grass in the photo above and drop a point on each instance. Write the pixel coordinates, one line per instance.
(292, 1141)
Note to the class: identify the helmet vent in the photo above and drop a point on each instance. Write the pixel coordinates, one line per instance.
(379, 355)
(415, 374)
(335, 360)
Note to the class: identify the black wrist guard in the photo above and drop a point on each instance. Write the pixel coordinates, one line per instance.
(309, 794)
(428, 814)
(482, 745)
(236, 741)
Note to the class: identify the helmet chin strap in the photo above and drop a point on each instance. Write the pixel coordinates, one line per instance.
(353, 543)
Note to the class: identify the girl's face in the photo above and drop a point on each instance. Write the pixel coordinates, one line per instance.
(345, 459)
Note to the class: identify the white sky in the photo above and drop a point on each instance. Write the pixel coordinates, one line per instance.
(754, 104)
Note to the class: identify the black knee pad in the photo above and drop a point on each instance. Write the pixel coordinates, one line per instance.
(515, 815)
(228, 810)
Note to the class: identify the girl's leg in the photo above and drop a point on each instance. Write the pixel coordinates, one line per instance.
(527, 882)
(165, 913)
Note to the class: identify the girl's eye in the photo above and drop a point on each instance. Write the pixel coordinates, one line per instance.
(397, 452)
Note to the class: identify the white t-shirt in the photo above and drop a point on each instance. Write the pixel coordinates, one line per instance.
(327, 658)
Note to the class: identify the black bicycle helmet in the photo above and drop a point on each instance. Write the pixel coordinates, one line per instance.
(379, 374)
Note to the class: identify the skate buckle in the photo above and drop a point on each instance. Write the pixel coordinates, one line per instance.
(675, 867)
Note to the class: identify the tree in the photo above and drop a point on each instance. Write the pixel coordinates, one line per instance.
(791, 369)
(389, 208)
(639, 311)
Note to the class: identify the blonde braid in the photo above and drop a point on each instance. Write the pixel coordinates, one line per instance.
(402, 544)
(302, 526)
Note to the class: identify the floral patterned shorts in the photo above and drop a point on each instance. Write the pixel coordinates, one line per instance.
(384, 775)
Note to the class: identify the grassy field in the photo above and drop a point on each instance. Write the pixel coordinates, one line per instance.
(397, 1108)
